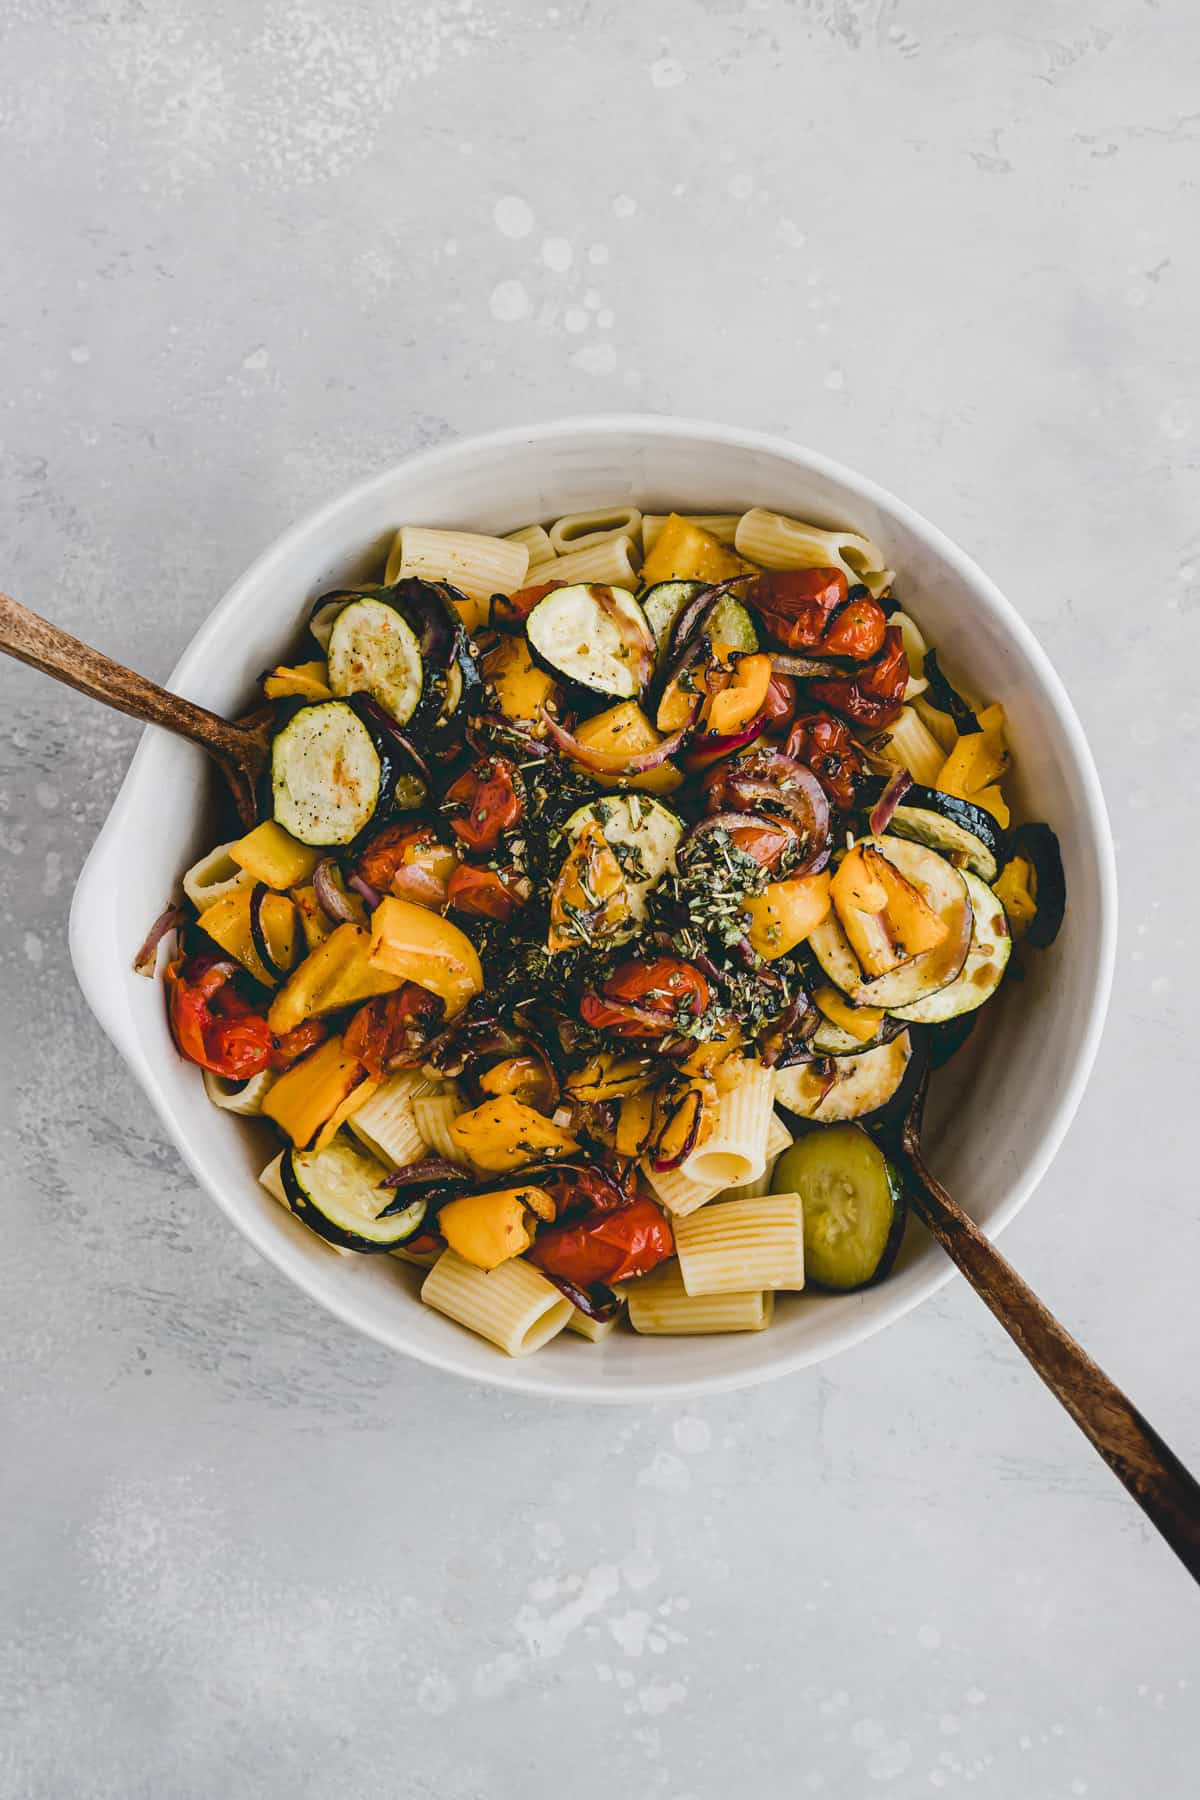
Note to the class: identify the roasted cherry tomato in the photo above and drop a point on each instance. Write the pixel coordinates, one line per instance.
(296, 1043)
(765, 843)
(825, 746)
(392, 1030)
(483, 893)
(875, 694)
(856, 631)
(608, 1247)
(778, 709)
(490, 795)
(410, 860)
(796, 605)
(212, 1023)
(636, 991)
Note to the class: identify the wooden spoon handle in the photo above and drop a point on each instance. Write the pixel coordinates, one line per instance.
(43, 646)
(1164, 1489)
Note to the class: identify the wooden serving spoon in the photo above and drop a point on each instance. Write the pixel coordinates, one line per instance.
(1133, 1450)
(239, 747)
(1164, 1489)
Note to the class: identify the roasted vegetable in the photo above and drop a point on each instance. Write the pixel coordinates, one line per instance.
(229, 921)
(211, 1022)
(329, 776)
(853, 1205)
(413, 944)
(686, 552)
(272, 856)
(488, 1229)
(504, 1134)
(1037, 846)
(786, 913)
(337, 1192)
(886, 919)
(318, 1094)
(595, 639)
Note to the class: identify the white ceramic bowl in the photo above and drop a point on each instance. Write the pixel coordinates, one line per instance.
(997, 1114)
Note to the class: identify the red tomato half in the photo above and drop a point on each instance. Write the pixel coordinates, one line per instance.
(608, 1247)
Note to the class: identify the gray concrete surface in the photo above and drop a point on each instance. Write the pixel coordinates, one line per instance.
(253, 251)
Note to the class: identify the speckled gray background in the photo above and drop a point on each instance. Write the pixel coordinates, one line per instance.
(252, 251)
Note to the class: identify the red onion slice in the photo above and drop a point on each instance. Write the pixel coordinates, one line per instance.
(258, 936)
(813, 667)
(330, 898)
(614, 762)
(888, 801)
(146, 960)
(370, 895)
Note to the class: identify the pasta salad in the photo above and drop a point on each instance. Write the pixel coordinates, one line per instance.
(613, 882)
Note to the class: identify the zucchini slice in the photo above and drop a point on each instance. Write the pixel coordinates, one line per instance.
(372, 650)
(643, 835)
(595, 637)
(730, 622)
(945, 888)
(951, 826)
(861, 1084)
(981, 974)
(853, 1203)
(328, 777)
(830, 1039)
(336, 1193)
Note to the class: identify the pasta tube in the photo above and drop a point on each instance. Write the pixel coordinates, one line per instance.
(660, 1306)
(513, 1306)
(736, 1150)
(743, 1246)
(480, 566)
(778, 542)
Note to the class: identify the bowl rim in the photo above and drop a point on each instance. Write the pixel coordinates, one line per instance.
(93, 971)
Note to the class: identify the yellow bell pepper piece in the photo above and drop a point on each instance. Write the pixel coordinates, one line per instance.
(608, 1076)
(626, 727)
(1016, 891)
(414, 944)
(337, 973)
(977, 760)
(590, 882)
(308, 681)
(522, 689)
(686, 552)
(993, 801)
(227, 922)
(489, 1229)
(859, 1022)
(737, 704)
(504, 1134)
(274, 856)
(633, 1123)
(882, 936)
(787, 912)
(313, 1098)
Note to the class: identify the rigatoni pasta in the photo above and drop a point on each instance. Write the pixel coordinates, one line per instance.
(736, 1151)
(660, 1306)
(480, 566)
(613, 560)
(513, 1306)
(776, 542)
(743, 1245)
(583, 530)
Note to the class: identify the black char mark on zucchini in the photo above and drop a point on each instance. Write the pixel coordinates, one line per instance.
(594, 638)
